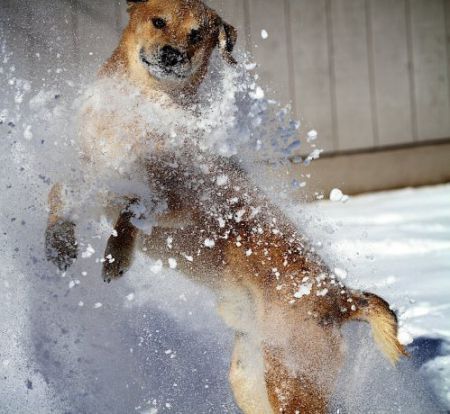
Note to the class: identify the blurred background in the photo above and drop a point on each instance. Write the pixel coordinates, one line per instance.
(371, 76)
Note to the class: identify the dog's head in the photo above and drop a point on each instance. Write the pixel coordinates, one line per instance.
(172, 40)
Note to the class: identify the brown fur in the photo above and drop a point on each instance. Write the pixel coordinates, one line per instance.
(288, 346)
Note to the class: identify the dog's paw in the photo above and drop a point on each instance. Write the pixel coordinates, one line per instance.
(60, 244)
(113, 268)
(117, 259)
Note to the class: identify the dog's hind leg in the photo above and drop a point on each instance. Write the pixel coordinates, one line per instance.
(288, 392)
(247, 376)
(237, 309)
(302, 361)
(119, 250)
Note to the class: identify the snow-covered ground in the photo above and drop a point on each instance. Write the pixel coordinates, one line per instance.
(397, 244)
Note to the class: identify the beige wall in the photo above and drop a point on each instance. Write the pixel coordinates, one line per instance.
(372, 76)
(364, 73)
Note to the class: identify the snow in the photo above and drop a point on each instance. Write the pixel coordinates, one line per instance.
(397, 244)
(250, 66)
(188, 258)
(340, 273)
(27, 134)
(172, 263)
(337, 195)
(257, 94)
(304, 290)
(312, 135)
(222, 180)
(313, 155)
(80, 345)
(156, 267)
(322, 292)
(88, 252)
(209, 243)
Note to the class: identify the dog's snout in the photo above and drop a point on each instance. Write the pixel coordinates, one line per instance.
(171, 56)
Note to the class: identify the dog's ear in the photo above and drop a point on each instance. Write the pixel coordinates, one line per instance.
(227, 41)
(131, 3)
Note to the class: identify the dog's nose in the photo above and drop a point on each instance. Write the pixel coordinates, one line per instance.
(171, 56)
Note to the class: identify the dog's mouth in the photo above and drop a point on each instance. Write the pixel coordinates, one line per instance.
(161, 71)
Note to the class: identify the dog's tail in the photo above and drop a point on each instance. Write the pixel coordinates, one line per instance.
(383, 321)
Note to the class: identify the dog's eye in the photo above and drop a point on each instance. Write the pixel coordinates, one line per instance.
(159, 23)
(195, 37)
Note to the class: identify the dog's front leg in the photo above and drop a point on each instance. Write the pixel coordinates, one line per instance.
(119, 251)
(60, 242)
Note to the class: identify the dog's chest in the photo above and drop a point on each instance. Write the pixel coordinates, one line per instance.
(112, 142)
(120, 125)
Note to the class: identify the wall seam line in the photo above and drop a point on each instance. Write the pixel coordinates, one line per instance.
(247, 25)
(332, 74)
(412, 81)
(372, 75)
(290, 56)
(447, 41)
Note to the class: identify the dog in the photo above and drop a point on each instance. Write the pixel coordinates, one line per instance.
(283, 302)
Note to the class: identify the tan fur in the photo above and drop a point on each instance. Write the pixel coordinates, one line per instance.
(284, 303)
(55, 203)
(383, 322)
(247, 376)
